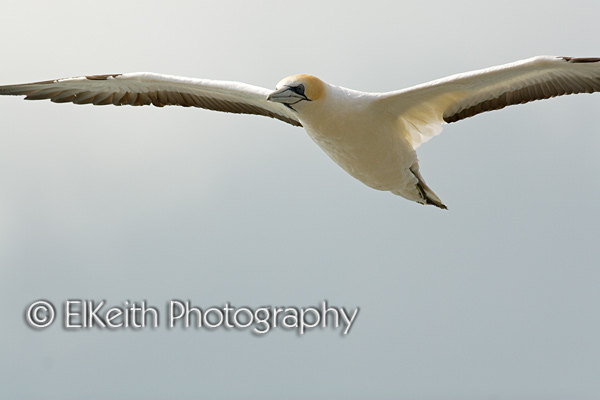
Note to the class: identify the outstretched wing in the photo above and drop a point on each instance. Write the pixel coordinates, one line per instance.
(423, 109)
(143, 88)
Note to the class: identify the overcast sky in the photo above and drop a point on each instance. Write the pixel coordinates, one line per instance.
(496, 298)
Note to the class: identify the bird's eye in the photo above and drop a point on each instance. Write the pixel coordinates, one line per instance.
(300, 89)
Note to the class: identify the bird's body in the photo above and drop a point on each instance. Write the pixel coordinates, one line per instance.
(373, 136)
(367, 145)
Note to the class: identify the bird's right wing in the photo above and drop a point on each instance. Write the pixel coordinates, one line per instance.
(423, 109)
(145, 88)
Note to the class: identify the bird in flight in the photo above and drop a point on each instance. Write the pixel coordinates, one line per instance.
(373, 136)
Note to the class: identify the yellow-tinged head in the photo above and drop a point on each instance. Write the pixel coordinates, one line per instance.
(296, 89)
(314, 88)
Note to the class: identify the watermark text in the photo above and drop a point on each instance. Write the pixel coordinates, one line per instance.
(182, 314)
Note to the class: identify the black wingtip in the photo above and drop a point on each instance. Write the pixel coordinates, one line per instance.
(576, 60)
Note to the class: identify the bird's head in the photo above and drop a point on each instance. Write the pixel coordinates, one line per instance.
(298, 91)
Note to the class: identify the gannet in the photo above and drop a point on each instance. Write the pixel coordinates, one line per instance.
(373, 136)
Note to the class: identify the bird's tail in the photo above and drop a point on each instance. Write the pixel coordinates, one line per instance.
(429, 197)
(421, 193)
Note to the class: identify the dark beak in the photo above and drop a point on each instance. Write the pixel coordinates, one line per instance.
(285, 95)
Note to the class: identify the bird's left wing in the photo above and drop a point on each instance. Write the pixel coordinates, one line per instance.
(423, 109)
(143, 88)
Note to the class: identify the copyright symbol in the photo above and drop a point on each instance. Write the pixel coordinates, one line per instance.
(40, 314)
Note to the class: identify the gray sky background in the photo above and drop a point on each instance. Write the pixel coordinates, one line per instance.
(496, 298)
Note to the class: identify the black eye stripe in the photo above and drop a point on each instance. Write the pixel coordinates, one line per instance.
(299, 89)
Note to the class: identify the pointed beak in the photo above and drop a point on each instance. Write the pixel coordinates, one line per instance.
(285, 95)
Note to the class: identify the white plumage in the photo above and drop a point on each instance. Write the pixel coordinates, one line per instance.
(373, 136)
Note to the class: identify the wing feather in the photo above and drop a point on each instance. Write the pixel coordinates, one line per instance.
(138, 89)
(423, 109)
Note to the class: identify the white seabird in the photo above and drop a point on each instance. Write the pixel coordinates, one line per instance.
(373, 136)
